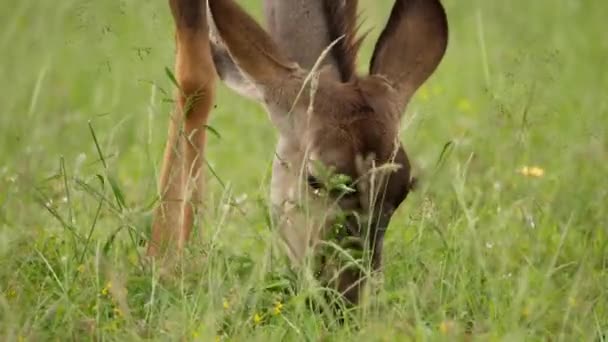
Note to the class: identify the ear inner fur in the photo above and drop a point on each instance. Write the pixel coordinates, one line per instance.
(411, 45)
(249, 45)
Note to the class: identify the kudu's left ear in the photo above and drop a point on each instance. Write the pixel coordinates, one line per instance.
(249, 46)
(230, 73)
(411, 45)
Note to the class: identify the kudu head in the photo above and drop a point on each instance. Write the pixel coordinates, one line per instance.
(333, 121)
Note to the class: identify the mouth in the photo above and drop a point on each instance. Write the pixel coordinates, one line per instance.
(347, 272)
(369, 238)
(377, 244)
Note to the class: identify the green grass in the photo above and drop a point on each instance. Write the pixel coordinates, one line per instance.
(479, 248)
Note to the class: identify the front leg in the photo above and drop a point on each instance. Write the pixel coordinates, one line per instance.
(181, 175)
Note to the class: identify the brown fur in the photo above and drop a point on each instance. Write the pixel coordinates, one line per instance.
(181, 173)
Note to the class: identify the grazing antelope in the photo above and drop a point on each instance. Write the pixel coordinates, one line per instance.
(330, 118)
(181, 178)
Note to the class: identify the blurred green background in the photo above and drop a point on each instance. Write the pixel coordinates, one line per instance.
(481, 250)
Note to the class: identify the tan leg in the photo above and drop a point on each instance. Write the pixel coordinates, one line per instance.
(167, 216)
(181, 176)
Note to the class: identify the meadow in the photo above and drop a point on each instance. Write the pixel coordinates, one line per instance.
(505, 239)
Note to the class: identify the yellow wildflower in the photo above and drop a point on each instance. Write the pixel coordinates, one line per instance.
(106, 290)
(437, 90)
(133, 258)
(526, 311)
(226, 304)
(532, 171)
(218, 338)
(446, 326)
(464, 105)
(80, 269)
(278, 306)
(424, 93)
(257, 319)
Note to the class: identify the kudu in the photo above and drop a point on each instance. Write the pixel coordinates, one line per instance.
(330, 118)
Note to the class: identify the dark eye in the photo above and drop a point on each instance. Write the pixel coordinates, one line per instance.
(344, 190)
(314, 182)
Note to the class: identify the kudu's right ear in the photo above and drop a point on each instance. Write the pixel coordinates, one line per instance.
(246, 48)
(411, 45)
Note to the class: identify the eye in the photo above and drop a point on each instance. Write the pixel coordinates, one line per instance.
(335, 187)
(314, 183)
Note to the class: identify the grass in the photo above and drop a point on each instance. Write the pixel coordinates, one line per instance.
(480, 251)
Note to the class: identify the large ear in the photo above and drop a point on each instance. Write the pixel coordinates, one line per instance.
(411, 45)
(249, 46)
(230, 73)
